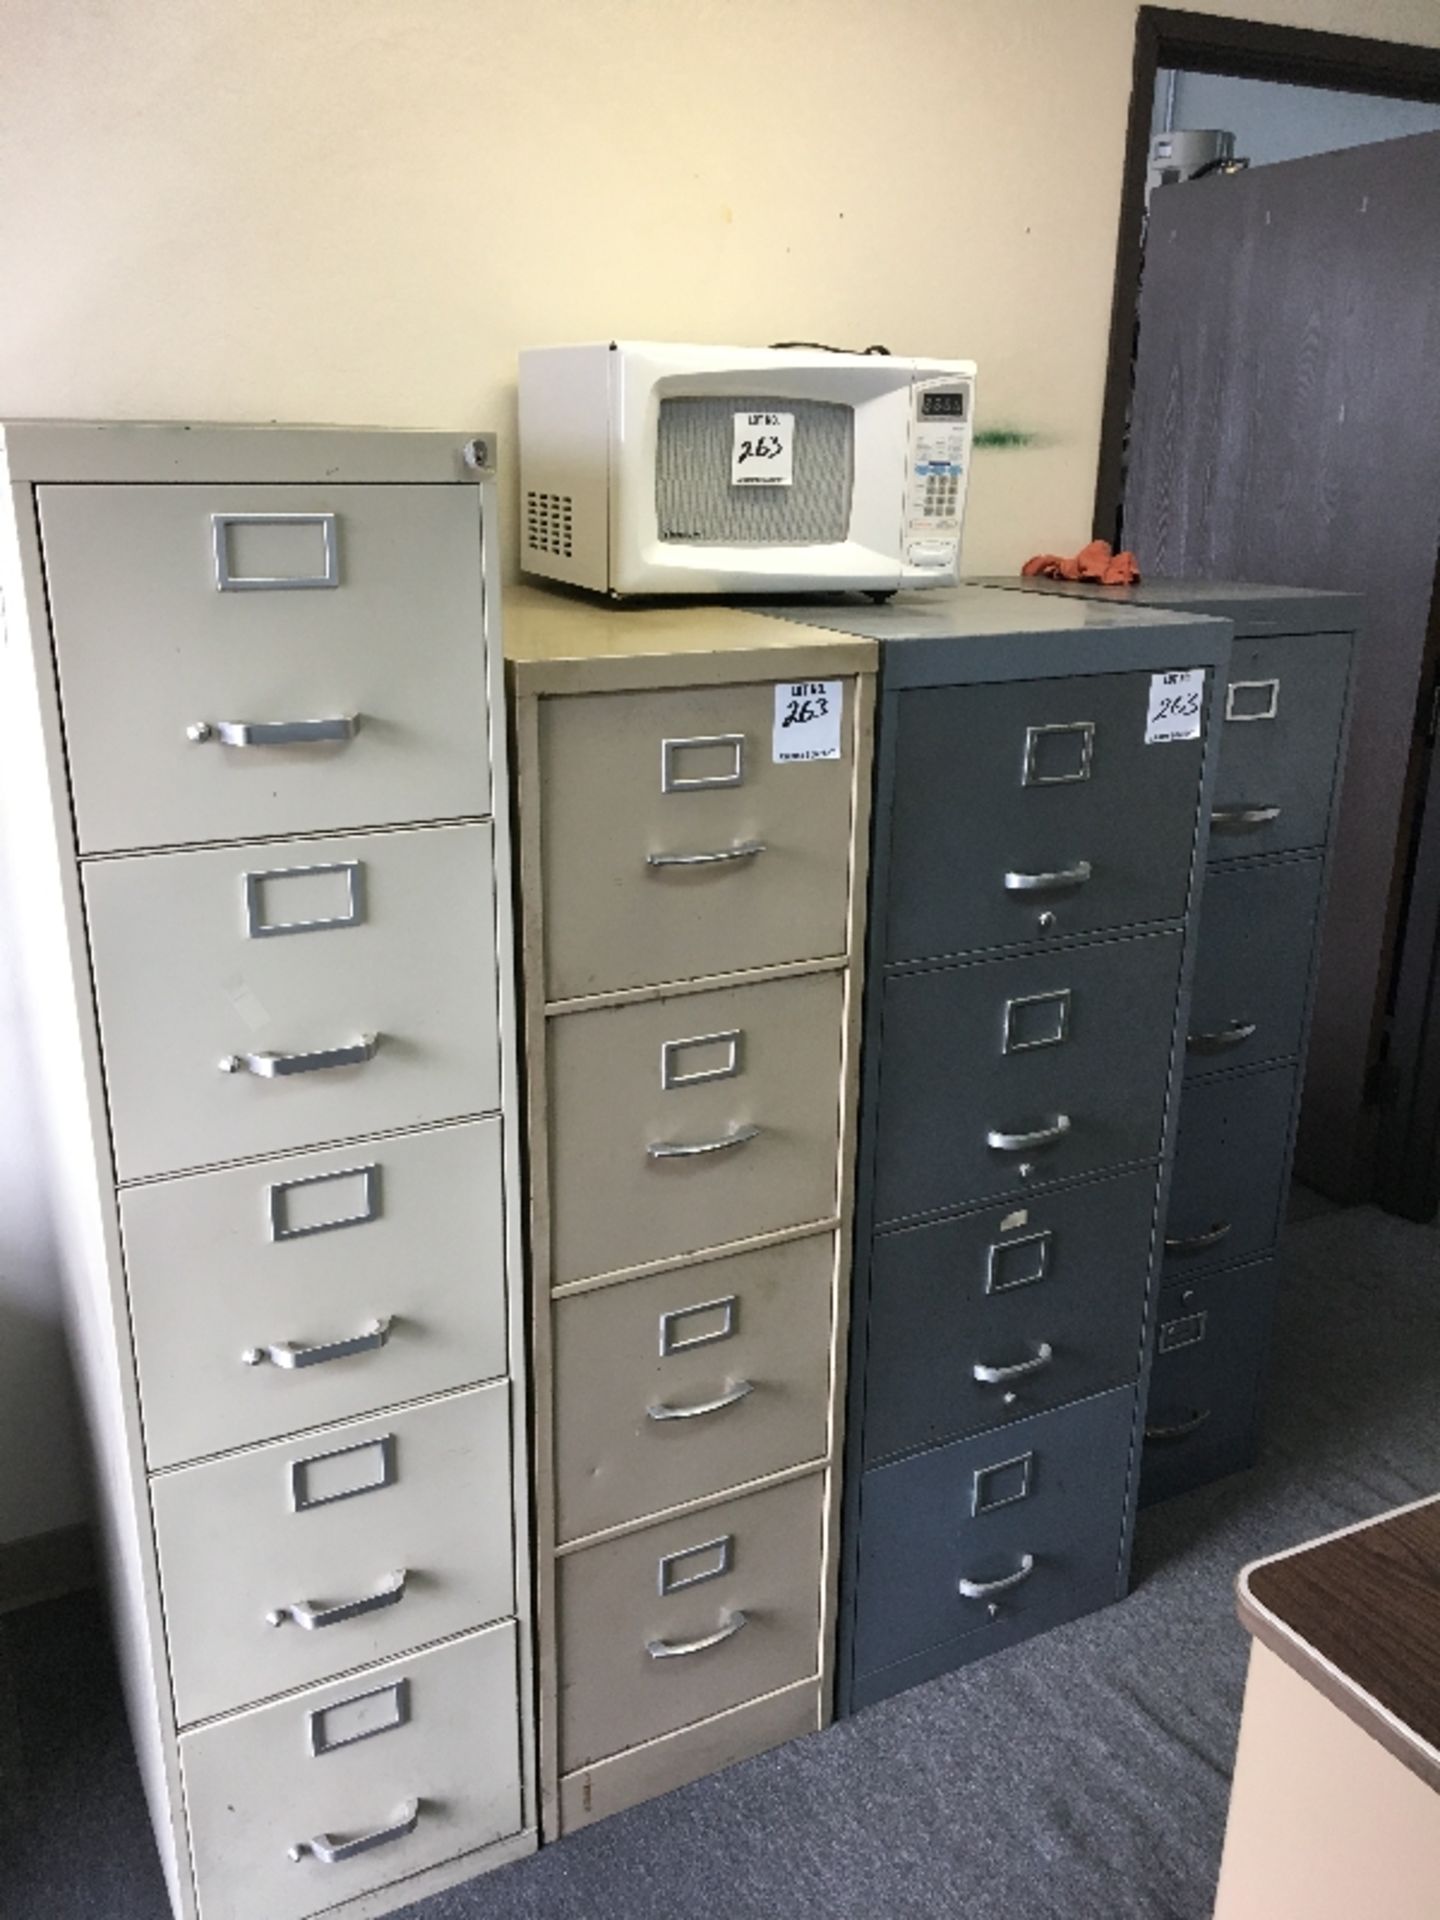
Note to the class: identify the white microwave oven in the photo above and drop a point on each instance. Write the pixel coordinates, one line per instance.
(650, 468)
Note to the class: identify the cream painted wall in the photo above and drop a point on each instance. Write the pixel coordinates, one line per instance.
(357, 210)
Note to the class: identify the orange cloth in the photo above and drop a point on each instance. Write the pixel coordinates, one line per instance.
(1095, 562)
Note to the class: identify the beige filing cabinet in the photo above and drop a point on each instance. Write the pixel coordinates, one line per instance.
(258, 834)
(693, 789)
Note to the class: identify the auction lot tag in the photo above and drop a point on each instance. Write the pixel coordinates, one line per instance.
(1176, 700)
(807, 720)
(762, 451)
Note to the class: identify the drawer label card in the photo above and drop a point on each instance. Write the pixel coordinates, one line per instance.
(359, 1718)
(320, 1202)
(762, 450)
(807, 720)
(323, 1477)
(693, 1566)
(1176, 703)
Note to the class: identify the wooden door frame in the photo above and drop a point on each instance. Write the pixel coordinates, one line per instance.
(1166, 37)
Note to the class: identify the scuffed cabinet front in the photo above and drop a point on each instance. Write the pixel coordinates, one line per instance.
(265, 669)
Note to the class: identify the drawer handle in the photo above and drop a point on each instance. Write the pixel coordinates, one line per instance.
(731, 1399)
(1181, 1430)
(1075, 876)
(330, 1852)
(747, 850)
(688, 1150)
(278, 1066)
(1241, 819)
(677, 1649)
(982, 1589)
(286, 1354)
(997, 1376)
(274, 733)
(307, 1614)
(1221, 1038)
(1198, 1242)
(1045, 1136)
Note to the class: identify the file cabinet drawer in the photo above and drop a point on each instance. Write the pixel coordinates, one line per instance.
(1212, 1343)
(400, 1527)
(421, 1757)
(388, 943)
(1045, 795)
(1252, 973)
(1004, 1075)
(373, 615)
(270, 1298)
(692, 1121)
(1227, 1194)
(675, 847)
(1018, 1521)
(689, 1617)
(682, 1384)
(999, 1315)
(1285, 705)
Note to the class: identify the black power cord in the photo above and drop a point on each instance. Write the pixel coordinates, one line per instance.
(823, 346)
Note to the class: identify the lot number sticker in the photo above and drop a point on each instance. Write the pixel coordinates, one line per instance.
(762, 452)
(1176, 700)
(807, 720)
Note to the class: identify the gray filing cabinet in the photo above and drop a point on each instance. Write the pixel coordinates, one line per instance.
(1033, 863)
(1272, 827)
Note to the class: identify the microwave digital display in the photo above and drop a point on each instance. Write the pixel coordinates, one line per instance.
(935, 406)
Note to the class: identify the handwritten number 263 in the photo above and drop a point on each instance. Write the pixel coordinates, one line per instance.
(799, 713)
(765, 446)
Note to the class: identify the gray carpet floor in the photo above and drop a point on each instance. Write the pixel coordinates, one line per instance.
(1081, 1777)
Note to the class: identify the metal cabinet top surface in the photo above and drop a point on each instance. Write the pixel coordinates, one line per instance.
(559, 643)
(965, 635)
(1255, 609)
(160, 451)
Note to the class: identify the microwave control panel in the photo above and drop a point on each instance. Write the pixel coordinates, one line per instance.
(939, 464)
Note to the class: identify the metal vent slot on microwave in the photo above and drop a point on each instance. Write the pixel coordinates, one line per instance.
(550, 523)
(696, 502)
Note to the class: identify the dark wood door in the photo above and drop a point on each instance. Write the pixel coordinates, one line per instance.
(1286, 429)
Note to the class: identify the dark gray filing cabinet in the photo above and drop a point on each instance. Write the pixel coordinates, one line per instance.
(1272, 826)
(1029, 961)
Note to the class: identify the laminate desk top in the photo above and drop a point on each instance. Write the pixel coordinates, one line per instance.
(1358, 1615)
(559, 642)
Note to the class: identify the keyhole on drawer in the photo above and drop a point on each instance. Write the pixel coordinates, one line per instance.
(1025, 1169)
(993, 1609)
(1010, 1399)
(1047, 921)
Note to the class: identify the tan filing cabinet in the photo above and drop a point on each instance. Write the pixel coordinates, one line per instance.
(692, 887)
(259, 841)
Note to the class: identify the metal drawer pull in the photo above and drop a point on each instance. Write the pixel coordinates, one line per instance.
(330, 1852)
(1221, 1038)
(1181, 1430)
(677, 1649)
(277, 1066)
(1231, 819)
(274, 733)
(286, 1354)
(683, 1150)
(731, 1399)
(1045, 1136)
(982, 1589)
(996, 1376)
(307, 1614)
(747, 850)
(1198, 1242)
(1075, 876)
